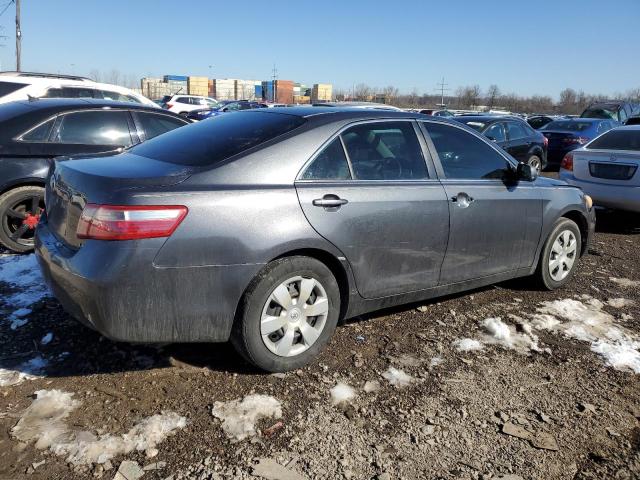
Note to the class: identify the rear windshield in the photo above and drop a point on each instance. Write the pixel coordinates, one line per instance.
(617, 140)
(607, 113)
(475, 125)
(9, 87)
(214, 140)
(568, 126)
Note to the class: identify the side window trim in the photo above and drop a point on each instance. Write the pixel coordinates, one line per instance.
(19, 138)
(436, 158)
(426, 153)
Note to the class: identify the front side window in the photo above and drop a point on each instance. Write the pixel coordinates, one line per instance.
(154, 124)
(95, 128)
(464, 156)
(516, 131)
(496, 132)
(40, 133)
(385, 151)
(330, 164)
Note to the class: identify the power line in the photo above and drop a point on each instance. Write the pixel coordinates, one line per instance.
(442, 89)
(6, 7)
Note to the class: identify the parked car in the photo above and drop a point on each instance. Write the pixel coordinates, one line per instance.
(607, 168)
(538, 121)
(268, 225)
(513, 134)
(183, 104)
(616, 110)
(232, 106)
(634, 119)
(436, 112)
(33, 132)
(23, 85)
(568, 134)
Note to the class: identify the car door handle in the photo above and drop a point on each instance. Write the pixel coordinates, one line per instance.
(462, 200)
(330, 201)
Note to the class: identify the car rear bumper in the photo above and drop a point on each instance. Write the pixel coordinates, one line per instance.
(619, 197)
(114, 288)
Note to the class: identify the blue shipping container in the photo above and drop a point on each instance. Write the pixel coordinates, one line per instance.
(179, 78)
(258, 91)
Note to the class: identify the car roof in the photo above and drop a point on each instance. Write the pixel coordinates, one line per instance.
(627, 127)
(62, 104)
(487, 118)
(341, 112)
(582, 119)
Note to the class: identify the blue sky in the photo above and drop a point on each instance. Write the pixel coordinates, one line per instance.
(525, 47)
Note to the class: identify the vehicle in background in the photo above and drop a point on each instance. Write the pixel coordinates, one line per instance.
(361, 105)
(607, 169)
(568, 134)
(192, 240)
(16, 86)
(539, 121)
(616, 110)
(33, 132)
(183, 104)
(634, 119)
(230, 106)
(435, 112)
(513, 134)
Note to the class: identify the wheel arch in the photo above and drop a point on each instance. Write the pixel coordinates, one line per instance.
(580, 220)
(23, 182)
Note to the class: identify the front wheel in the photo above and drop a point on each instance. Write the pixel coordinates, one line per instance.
(559, 257)
(288, 314)
(535, 162)
(20, 211)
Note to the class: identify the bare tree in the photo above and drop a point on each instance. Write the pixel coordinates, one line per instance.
(362, 92)
(95, 75)
(114, 76)
(492, 94)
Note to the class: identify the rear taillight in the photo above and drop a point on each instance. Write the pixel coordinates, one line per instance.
(578, 140)
(546, 141)
(129, 222)
(169, 106)
(567, 162)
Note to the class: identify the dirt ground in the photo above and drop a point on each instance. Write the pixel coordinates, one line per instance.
(558, 413)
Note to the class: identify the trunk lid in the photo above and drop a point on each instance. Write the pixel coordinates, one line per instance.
(607, 167)
(74, 182)
(560, 139)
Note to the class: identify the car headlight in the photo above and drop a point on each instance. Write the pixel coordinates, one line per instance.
(588, 201)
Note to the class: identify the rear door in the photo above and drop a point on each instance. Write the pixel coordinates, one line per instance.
(371, 192)
(495, 224)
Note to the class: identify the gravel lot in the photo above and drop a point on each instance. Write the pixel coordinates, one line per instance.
(541, 400)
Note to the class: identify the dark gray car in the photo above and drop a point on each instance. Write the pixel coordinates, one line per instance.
(267, 226)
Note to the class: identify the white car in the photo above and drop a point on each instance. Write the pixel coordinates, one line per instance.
(183, 104)
(606, 169)
(22, 86)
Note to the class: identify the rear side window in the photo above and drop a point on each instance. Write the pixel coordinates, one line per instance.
(40, 133)
(330, 164)
(186, 100)
(70, 92)
(385, 151)
(464, 156)
(95, 128)
(9, 87)
(119, 97)
(516, 131)
(617, 140)
(496, 132)
(155, 125)
(214, 140)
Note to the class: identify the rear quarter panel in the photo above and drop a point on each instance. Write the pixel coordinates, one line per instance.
(16, 171)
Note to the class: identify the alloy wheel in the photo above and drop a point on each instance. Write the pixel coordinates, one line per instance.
(294, 316)
(562, 255)
(535, 163)
(21, 219)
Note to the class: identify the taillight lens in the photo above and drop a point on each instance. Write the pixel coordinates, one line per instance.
(129, 222)
(567, 162)
(546, 141)
(578, 140)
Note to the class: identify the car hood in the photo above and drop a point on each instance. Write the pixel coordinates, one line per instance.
(551, 182)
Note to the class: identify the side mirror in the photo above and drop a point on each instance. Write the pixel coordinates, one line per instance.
(526, 172)
(225, 109)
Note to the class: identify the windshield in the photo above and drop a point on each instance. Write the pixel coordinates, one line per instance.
(479, 126)
(211, 103)
(568, 126)
(607, 113)
(617, 140)
(9, 87)
(220, 137)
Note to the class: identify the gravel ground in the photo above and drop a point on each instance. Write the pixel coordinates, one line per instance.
(546, 408)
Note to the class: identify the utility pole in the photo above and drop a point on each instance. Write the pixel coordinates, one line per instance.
(442, 87)
(274, 77)
(18, 36)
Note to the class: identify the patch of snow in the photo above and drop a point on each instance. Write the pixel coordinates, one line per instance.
(625, 282)
(397, 378)
(239, 417)
(342, 393)
(46, 339)
(25, 371)
(22, 273)
(371, 386)
(435, 361)
(467, 345)
(44, 422)
(620, 302)
(499, 333)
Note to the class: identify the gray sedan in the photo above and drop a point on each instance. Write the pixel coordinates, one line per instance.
(268, 226)
(607, 168)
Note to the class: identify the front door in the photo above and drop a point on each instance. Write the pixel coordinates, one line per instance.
(378, 205)
(495, 223)
(519, 141)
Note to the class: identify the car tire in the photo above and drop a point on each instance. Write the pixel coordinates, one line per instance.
(560, 255)
(17, 218)
(536, 162)
(270, 302)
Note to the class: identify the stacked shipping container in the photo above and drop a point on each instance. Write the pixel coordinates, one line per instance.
(198, 86)
(322, 92)
(284, 91)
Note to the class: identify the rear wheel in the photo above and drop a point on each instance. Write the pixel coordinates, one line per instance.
(288, 314)
(535, 162)
(20, 211)
(559, 257)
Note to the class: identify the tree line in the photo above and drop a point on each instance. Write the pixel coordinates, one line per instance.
(472, 97)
